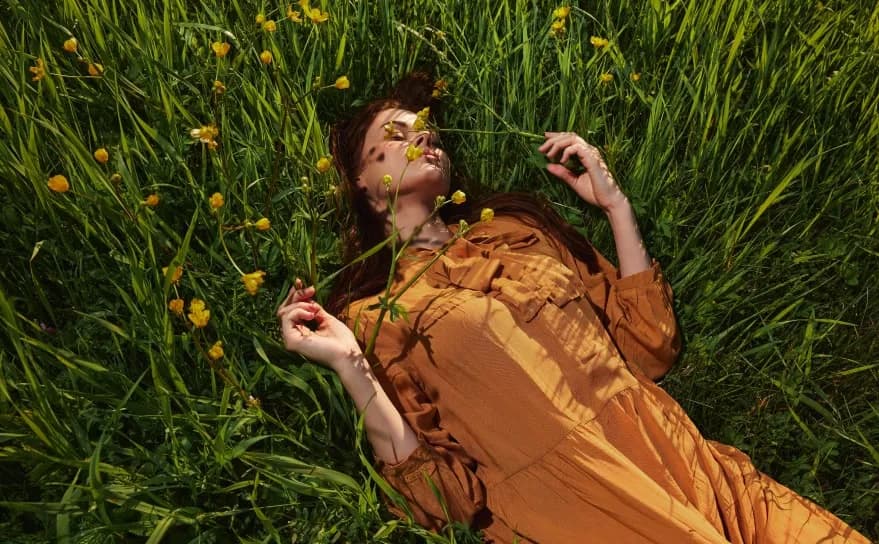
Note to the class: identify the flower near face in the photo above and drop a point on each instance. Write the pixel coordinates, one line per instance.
(176, 306)
(459, 197)
(152, 200)
(96, 69)
(178, 272)
(59, 184)
(216, 352)
(253, 281)
(390, 130)
(221, 49)
(387, 180)
(439, 88)
(38, 70)
(199, 315)
(413, 152)
(101, 155)
(342, 83)
(324, 164)
(217, 201)
(421, 119)
(605, 78)
(487, 215)
(293, 15)
(598, 42)
(70, 45)
(266, 57)
(263, 224)
(269, 26)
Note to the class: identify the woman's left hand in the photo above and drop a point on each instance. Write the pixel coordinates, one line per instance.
(596, 184)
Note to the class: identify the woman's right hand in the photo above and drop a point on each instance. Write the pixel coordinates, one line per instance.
(331, 344)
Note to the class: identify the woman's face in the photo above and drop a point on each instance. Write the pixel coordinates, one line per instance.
(384, 152)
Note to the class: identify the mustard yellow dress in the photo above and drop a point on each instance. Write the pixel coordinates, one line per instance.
(528, 377)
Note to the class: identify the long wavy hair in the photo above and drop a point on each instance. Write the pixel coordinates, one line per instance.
(367, 227)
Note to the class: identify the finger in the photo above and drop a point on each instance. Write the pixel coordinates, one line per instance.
(563, 141)
(562, 173)
(575, 149)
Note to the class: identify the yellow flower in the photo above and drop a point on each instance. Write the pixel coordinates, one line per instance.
(70, 45)
(263, 224)
(101, 155)
(178, 272)
(318, 16)
(487, 215)
(324, 164)
(562, 12)
(219, 88)
(152, 200)
(116, 178)
(387, 180)
(294, 16)
(217, 201)
(213, 145)
(598, 41)
(260, 18)
(439, 201)
(59, 184)
(176, 306)
(266, 57)
(269, 26)
(206, 133)
(605, 77)
(413, 152)
(96, 69)
(390, 130)
(439, 87)
(459, 197)
(38, 70)
(198, 314)
(216, 351)
(342, 83)
(421, 119)
(221, 49)
(252, 281)
(635, 76)
(557, 27)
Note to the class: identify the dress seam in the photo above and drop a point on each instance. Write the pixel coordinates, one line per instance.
(564, 437)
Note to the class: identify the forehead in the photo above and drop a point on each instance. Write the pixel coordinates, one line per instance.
(395, 115)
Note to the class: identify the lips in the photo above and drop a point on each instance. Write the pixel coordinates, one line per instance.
(430, 156)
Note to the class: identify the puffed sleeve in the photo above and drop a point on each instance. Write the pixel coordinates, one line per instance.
(438, 456)
(637, 310)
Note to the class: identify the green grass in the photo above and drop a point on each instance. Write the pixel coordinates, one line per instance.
(748, 148)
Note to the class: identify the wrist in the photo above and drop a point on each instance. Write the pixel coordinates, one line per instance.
(618, 208)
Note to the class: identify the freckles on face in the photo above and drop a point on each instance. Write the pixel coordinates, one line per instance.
(384, 153)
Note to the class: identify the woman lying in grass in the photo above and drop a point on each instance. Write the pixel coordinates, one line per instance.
(510, 367)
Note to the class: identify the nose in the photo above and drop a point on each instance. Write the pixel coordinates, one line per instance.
(428, 138)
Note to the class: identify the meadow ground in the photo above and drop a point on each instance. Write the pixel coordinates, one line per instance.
(745, 133)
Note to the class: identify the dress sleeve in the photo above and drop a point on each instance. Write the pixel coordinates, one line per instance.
(637, 310)
(438, 457)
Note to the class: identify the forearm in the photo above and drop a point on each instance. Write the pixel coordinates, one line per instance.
(391, 436)
(632, 254)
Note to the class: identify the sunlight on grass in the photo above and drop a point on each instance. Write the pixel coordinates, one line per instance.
(745, 134)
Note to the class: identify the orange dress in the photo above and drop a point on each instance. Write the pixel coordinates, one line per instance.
(527, 376)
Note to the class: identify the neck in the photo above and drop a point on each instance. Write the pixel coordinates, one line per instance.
(433, 232)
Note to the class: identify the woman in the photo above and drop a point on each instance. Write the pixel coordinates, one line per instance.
(520, 383)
